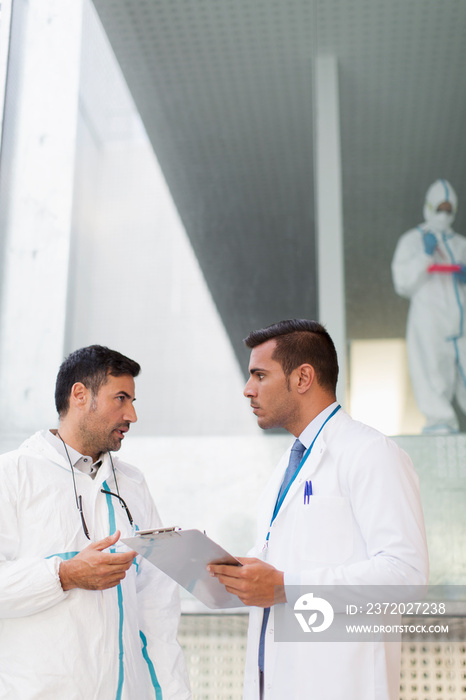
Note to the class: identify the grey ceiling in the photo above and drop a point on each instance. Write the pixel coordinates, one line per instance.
(224, 88)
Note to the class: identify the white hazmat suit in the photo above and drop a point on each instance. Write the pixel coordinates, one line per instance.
(114, 644)
(435, 332)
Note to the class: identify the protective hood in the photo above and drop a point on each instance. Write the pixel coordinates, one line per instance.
(441, 191)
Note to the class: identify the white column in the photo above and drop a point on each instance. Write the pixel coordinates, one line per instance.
(36, 203)
(329, 209)
(5, 17)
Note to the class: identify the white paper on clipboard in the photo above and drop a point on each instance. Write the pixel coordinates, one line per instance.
(184, 555)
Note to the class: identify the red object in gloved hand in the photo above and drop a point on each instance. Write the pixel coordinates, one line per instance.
(444, 268)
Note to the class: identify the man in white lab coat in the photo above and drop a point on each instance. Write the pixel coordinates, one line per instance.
(360, 525)
(81, 616)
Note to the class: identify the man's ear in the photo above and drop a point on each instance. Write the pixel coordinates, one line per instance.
(306, 376)
(79, 396)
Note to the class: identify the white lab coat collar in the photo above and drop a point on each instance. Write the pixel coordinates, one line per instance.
(310, 431)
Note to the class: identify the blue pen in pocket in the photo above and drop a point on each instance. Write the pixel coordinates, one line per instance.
(307, 491)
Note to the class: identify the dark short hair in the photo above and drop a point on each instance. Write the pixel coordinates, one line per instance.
(299, 341)
(91, 366)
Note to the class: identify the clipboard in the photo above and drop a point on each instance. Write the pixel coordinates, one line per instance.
(184, 555)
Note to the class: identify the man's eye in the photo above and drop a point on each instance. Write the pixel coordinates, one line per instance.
(261, 376)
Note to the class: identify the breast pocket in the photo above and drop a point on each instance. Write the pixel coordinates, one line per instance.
(323, 530)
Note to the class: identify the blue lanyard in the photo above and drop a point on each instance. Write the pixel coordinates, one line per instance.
(279, 502)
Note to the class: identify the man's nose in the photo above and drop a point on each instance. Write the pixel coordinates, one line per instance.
(130, 414)
(248, 390)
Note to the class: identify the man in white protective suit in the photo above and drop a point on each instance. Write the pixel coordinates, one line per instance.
(345, 512)
(81, 616)
(429, 268)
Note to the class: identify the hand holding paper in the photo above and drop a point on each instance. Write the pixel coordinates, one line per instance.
(255, 583)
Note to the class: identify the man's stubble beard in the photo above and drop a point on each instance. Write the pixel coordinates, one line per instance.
(97, 441)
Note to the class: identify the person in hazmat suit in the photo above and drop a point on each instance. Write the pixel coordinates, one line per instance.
(429, 268)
